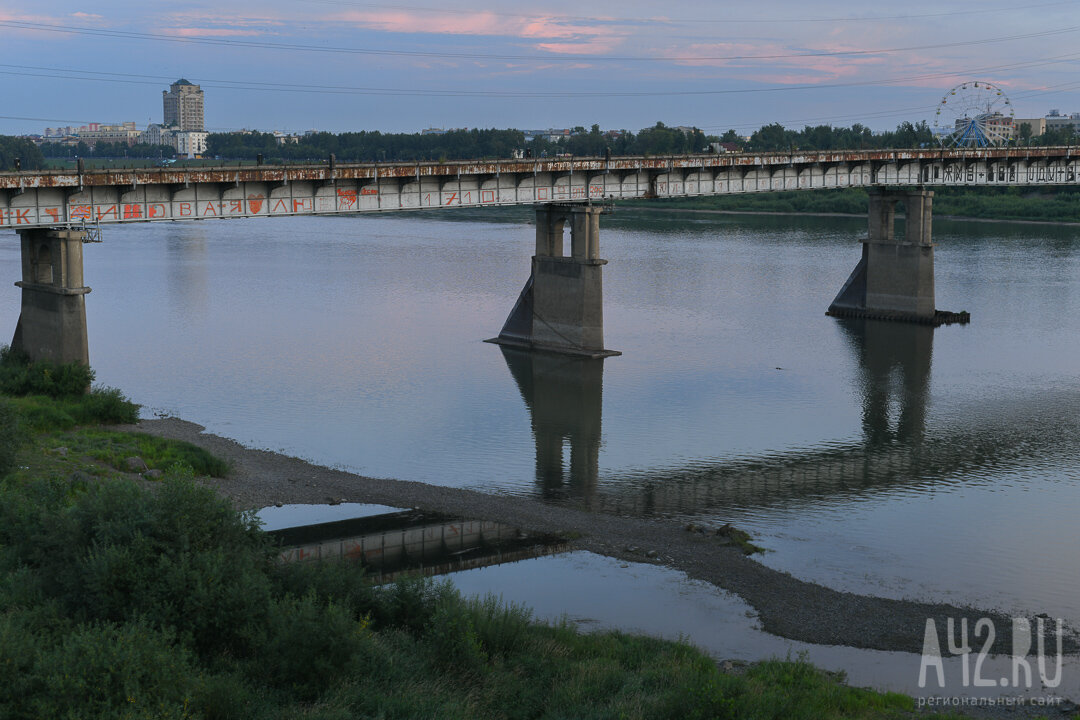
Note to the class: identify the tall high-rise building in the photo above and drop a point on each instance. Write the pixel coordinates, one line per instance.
(183, 106)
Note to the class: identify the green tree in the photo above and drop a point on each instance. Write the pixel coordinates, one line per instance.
(29, 155)
(1025, 133)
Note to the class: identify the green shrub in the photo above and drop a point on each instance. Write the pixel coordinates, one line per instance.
(10, 437)
(20, 376)
(18, 650)
(108, 670)
(341, 582)
(180, 557)
(502, 628)
(42, 414)
(228, 697)
(107, 406)
(410, 604)
(213, 597)
(307, 645)
(453, 639)
(185, 515)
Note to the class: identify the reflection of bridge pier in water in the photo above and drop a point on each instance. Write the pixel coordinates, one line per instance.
(564, 397)
(896, 448)
(894, 365)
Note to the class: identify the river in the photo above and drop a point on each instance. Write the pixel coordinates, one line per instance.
(880, 458)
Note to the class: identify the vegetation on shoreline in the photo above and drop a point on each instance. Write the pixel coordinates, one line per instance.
(1050, 204)
(124, 598)
(117, 601)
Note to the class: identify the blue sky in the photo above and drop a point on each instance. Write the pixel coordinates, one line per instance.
(348, 65)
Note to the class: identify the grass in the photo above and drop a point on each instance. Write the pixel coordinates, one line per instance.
(740, 539)
(113, 448)
(52, 423)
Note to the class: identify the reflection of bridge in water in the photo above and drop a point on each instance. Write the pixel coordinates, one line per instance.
(564, 399)
(412, 542)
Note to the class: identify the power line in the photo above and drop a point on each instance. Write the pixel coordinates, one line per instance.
(695, 21)
(894, 112)
(231, 42)
(130, 78)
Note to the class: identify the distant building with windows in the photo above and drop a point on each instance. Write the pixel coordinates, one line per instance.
(1053, 121)
(551, 134)
(156, 134)
(94, 133)
(60, 132)
(191, 143)
(183, 105)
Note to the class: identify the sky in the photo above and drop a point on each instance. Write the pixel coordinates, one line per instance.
(342, 65)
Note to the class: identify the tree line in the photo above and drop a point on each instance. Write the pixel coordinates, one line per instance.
(452, 145)
(375, 146)
(107, 150)
(777, 138)
(23, 149)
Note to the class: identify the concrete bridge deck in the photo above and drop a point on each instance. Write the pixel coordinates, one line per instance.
(66, 198)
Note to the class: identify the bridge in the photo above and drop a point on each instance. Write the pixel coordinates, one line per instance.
(561, 307)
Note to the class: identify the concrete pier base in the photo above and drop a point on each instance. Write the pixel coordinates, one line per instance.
(561, 308)
(52, 323)
(894, 280)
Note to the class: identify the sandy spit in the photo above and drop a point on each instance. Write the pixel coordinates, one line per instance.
(786, 606)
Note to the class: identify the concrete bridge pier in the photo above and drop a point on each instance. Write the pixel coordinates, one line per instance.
(561, 308)
(894, 280)
(52, 324)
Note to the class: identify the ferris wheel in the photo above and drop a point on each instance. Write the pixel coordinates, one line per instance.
(974, 114)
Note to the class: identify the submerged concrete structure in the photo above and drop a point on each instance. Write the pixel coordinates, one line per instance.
(561, 308)
(52, 322)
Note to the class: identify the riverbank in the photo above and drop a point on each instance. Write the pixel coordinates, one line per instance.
(128, 590)
(130, 585)
(786, 606)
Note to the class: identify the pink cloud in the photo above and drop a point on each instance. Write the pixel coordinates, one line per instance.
(210, 32)
(44, 19)
(63, 20)
(195, 18)
(588, 47)
(480, 23)
(576, 37)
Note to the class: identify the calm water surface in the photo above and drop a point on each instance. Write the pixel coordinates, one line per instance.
(881, 458)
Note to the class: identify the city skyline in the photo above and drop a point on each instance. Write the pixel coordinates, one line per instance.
(337, 65)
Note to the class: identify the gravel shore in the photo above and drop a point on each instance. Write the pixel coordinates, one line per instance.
(786, 606)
